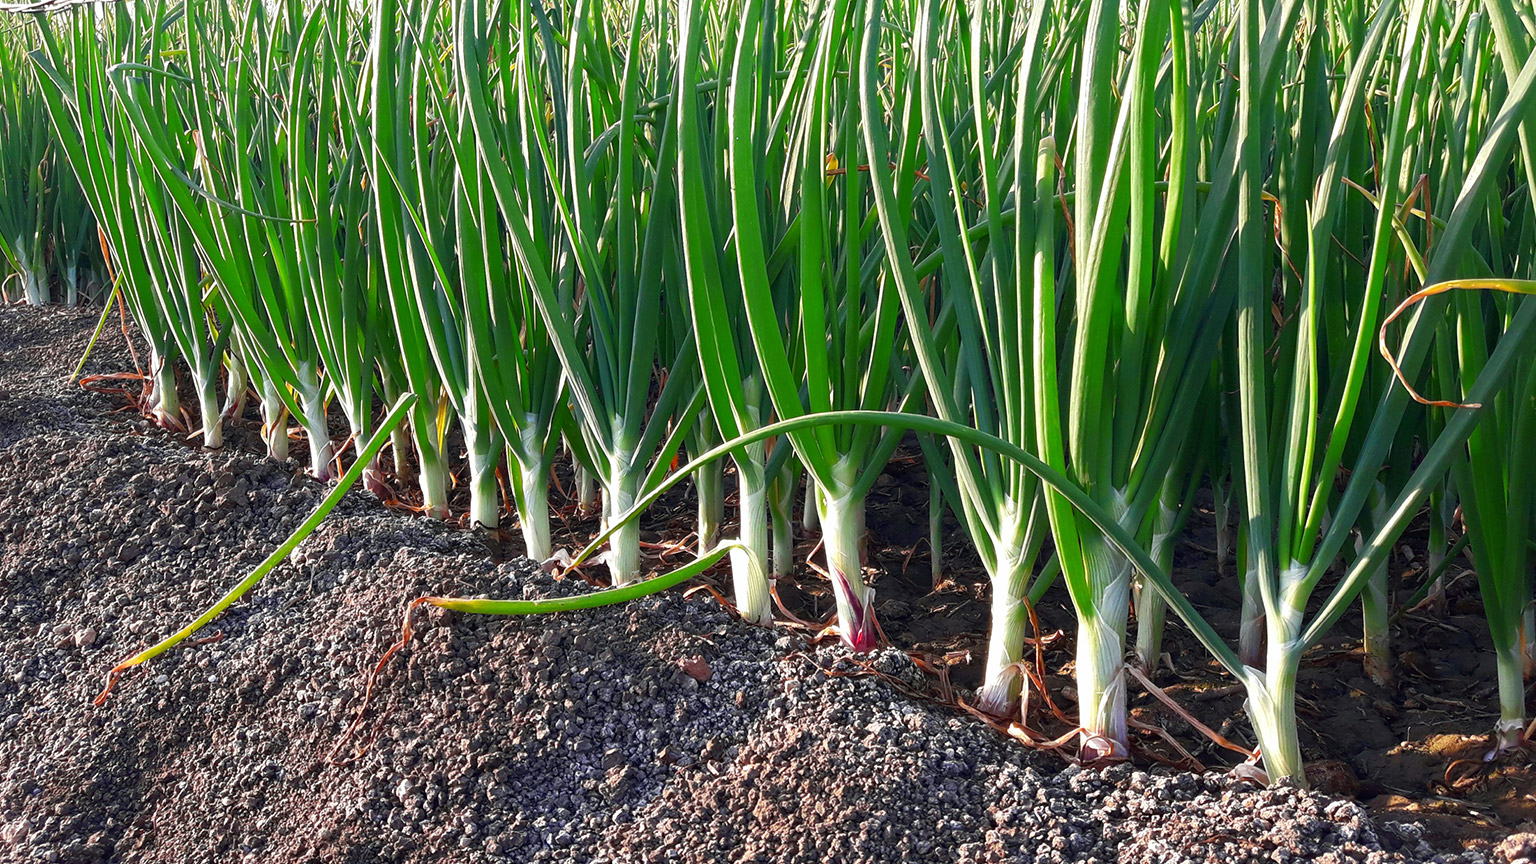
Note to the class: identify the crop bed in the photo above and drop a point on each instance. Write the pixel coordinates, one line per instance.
(664, 729)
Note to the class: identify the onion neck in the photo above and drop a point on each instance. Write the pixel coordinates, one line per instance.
(212, 412)
(484, 456)
(1272, 693)
(810, 511)
(1101, 653)
(1272, 711)
(936, 537)
(274, 429)
(400, 446)
(1528, 639)
(312, 400)
(1101, 691)
(749, 565)
(165, 405)
(1151, 608)
(624, 543)
(620, 489)
(72, 284)
(1151, 619)
(1001, 685)
(432, 478)
(842, 535)
(34, 289)
(1510, 730)
(709, 481)
(1250, 628)
(586, 491)
(1435, 598)
(531, 498)
(1375, 623)
(781, 504)
(236, 386)
(373, 474)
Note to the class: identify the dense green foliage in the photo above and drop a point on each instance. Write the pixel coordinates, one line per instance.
(47, 235)
(1102, 257)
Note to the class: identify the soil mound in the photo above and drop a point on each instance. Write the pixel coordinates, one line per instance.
(662, 730)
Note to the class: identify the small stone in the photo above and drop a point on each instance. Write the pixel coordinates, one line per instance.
(1332, 776)
(696, 668)
(86, 637)
(16, 831)
(1516, 848)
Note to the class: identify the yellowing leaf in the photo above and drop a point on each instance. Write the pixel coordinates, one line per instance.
(1508, 286)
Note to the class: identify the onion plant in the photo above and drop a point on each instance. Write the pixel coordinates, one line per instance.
(144, 85)
(25, 205)
(188, 116)
(247, 157)
(839, 346)
(431, 244)
(74, 246)
(1289, 486)
(1278, 570)
(1498, 506)
(1128, 343)
(1497, 503)
(328, 246)
(738, 400)
(1150, 344)
(1110, 249)
(282, 117)
(981, 378)
(589, 208)
(409, 274)
(95, 137)
(479, 320)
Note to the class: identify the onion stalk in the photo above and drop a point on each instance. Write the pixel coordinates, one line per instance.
(837, 338)
(26, 200)
(557, 202)
(1289, 548)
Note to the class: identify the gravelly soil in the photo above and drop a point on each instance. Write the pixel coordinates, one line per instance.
(663, 730)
